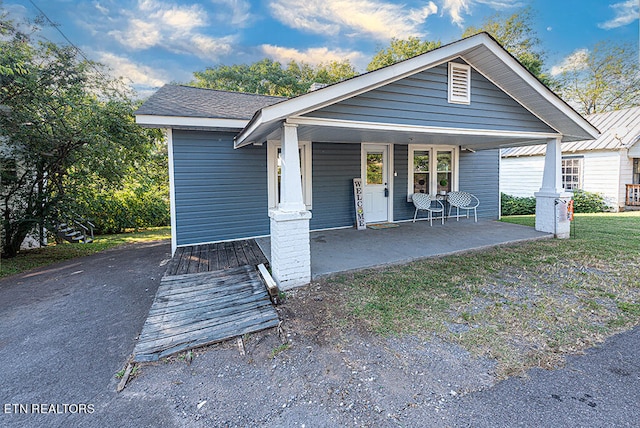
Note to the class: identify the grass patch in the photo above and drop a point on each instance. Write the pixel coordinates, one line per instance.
(279, 349)
(30, 259)
(525, 305)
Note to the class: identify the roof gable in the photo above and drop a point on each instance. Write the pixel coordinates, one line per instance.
(480, 51)
(422, 100)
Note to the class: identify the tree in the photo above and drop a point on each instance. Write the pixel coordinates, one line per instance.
(60, 119)
(401, 49)
(516, 34)
(604, 78)
(268, 77)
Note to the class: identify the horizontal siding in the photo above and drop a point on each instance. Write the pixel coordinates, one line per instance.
(422, 100)
(334, 168)
(479, 175)
(521, 176)
(601, 174)
(221, 193)
(402, 210)
(626, 176)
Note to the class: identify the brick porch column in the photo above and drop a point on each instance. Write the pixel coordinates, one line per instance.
(290, 248)
(552, 200)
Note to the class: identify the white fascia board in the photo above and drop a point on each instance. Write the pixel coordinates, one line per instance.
(534, 83)
(381, 126)
(256, 121)
(340, 91)
(183, 121)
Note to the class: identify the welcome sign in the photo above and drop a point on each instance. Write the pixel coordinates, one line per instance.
(359, 201)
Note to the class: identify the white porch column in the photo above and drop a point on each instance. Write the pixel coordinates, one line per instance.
(290, 249)
(552, 200)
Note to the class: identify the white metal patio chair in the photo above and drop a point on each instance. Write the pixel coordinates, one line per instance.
(464, 201)
(424, 202)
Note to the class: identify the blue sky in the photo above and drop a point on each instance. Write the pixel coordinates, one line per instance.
(152, 42)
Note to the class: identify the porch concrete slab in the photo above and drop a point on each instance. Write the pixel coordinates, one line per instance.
(343, 250)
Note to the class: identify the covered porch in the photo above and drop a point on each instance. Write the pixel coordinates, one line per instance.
(343, 250)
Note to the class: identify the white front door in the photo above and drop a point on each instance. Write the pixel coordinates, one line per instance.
(375, 182)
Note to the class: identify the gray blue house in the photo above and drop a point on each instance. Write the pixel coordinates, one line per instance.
(244, 165)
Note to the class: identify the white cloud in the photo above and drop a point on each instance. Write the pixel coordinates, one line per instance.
(456, 8)
(376, 18)
(235, 12)
(138, 35)
(625, 13)
(575, 61)
(312, 56)
(173, 27)
(138, 74)
(101, 8)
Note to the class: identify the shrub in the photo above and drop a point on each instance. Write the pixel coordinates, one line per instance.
(588, 202)
(584, 202)
(515, 205)
(124, 209)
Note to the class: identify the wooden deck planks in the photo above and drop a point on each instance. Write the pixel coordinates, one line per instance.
(217, 256)
(197, 309)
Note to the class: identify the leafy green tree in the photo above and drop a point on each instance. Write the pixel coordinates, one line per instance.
(268, 77)
(61, 121)
(516, 34)
(401, 49)
(604, 78)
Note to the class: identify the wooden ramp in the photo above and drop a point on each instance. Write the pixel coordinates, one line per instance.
(212, 257)
(197, 309)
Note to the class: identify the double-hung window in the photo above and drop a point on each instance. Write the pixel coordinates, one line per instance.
(274, 171)
(572, 173)
(432, 169)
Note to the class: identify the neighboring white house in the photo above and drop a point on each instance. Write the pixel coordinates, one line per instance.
(609, 165)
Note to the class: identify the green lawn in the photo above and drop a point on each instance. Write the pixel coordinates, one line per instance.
(525, 305)
(31, 259)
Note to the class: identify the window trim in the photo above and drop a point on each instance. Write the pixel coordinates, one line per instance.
(272, 172)
(452, 96)
(580, 172)
(433, 166)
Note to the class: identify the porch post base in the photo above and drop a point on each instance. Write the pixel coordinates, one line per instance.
(551, 213)
(290, 248)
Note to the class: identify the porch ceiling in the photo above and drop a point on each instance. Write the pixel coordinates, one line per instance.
(467, 138)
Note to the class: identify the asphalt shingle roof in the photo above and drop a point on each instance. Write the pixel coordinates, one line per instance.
(188, 101)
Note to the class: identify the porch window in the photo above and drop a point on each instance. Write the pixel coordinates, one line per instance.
(421, 171)
(274, 171)
(636, 171)
(444, 171)
(572, 173)
(432, 169)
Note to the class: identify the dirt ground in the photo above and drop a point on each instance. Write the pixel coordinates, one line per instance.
(314, 371)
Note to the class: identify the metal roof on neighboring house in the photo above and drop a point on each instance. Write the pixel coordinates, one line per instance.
(189, 101)
(619, 129)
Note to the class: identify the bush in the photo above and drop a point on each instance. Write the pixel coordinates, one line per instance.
(588, 202)
(515, 205)
(125, 209)
(583, 202)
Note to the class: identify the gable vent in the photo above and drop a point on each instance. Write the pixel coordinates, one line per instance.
(459, 83)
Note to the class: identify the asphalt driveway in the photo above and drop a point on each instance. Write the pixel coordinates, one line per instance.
(65, 330)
